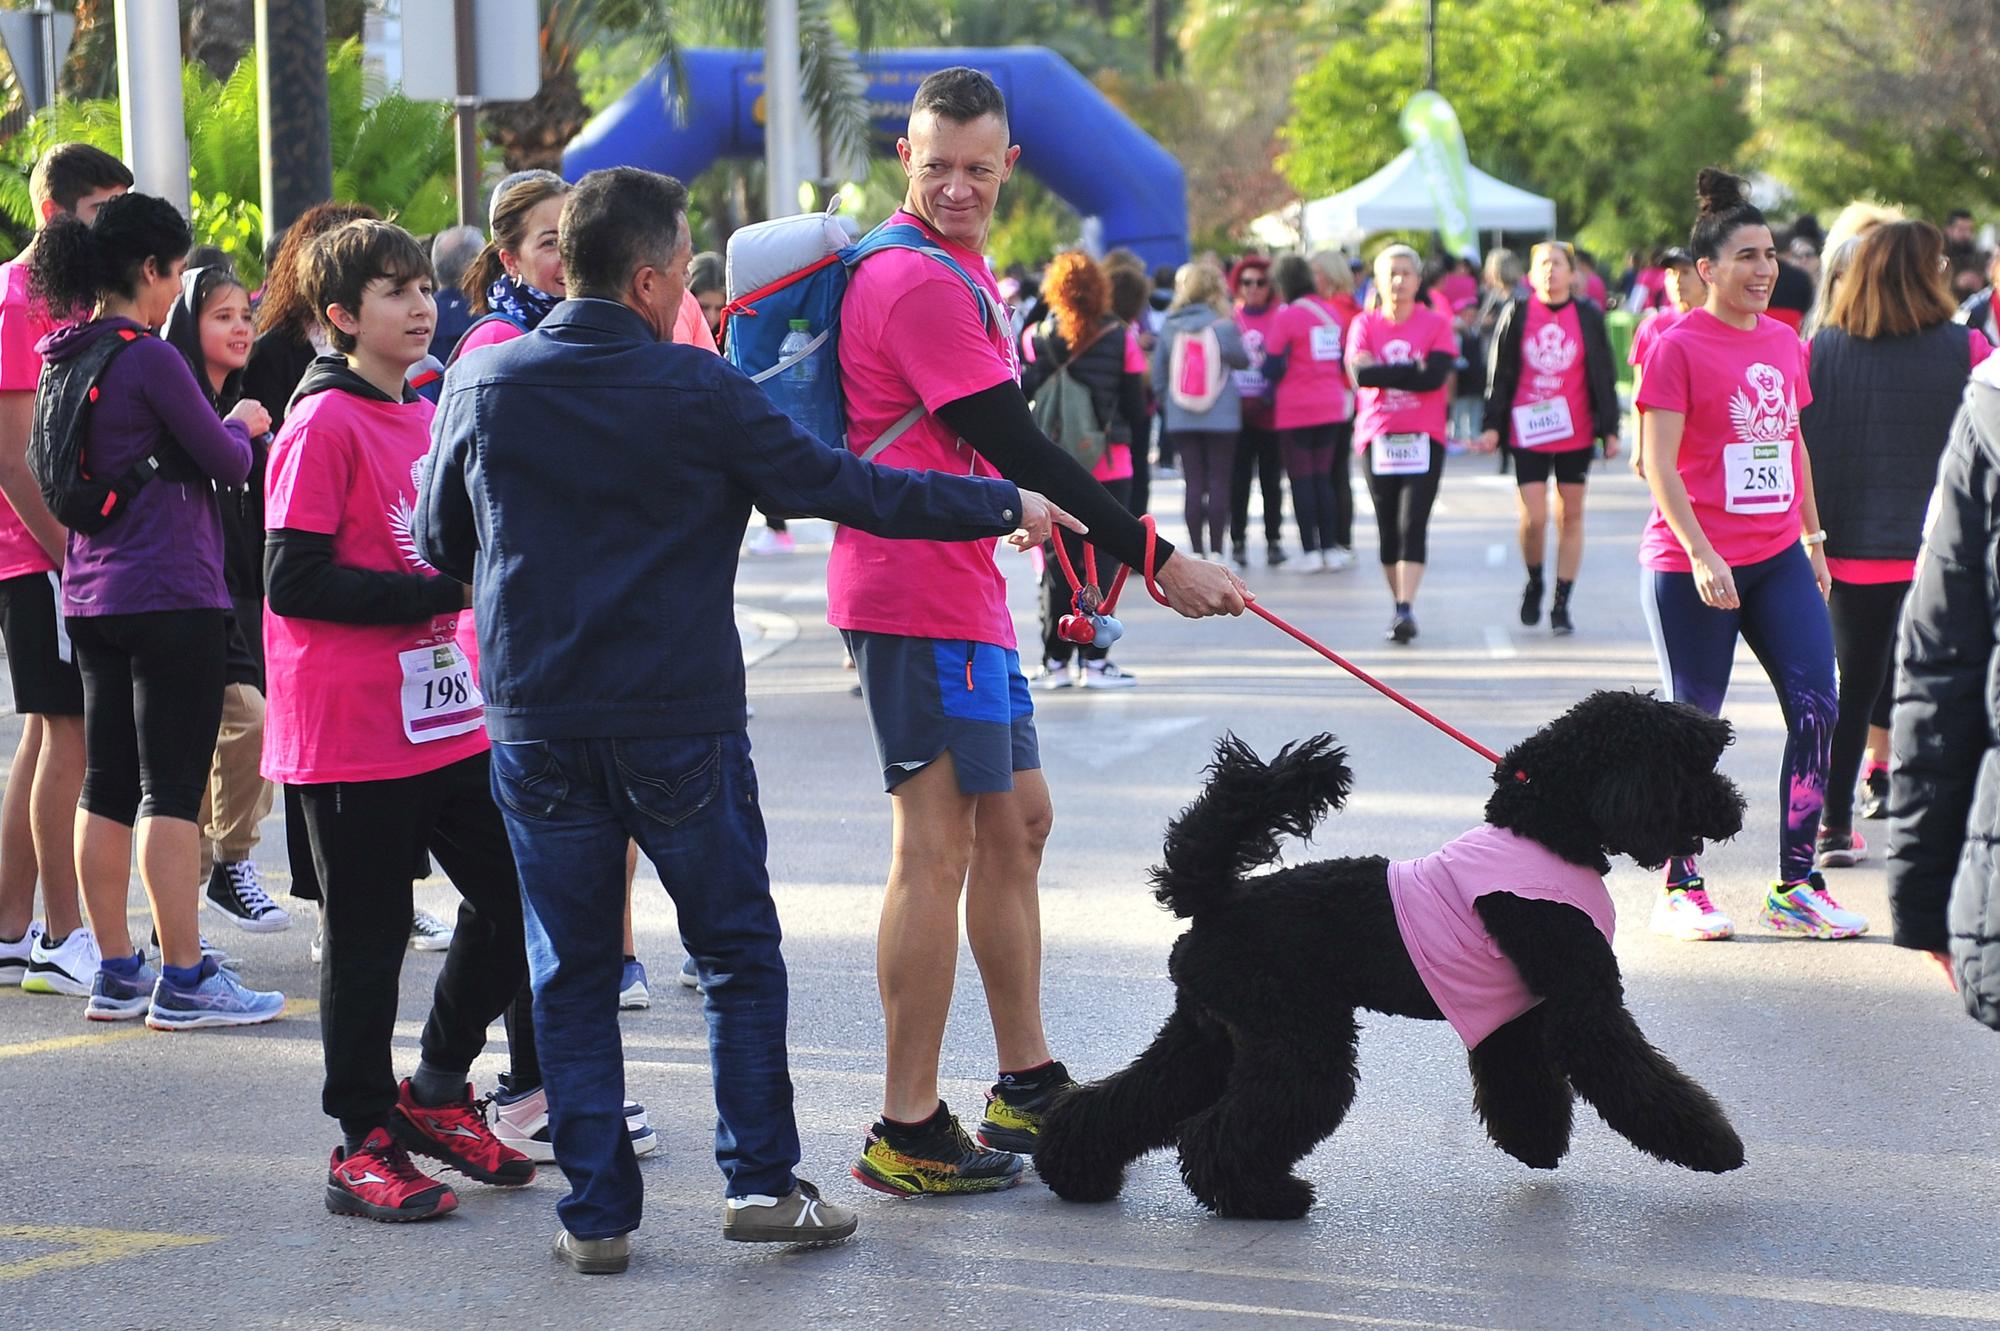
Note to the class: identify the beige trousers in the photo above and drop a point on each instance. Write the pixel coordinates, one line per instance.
(238, 796)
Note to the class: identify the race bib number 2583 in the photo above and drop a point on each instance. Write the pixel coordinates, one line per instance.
(1758, 477)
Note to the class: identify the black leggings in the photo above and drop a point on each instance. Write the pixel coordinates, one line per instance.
(1403, 508)
(1322, 493)
(152, 705)
(1864, 646)
(363, 836)
(1256, 450)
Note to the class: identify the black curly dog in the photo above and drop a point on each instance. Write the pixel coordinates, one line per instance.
(1256, 1065)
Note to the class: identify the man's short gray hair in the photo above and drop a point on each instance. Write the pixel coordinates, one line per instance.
(453, 252)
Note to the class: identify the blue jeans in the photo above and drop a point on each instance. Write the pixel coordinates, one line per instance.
(691, 804)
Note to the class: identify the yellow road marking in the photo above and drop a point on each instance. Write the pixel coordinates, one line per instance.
(295, 1007)
(87, 1247)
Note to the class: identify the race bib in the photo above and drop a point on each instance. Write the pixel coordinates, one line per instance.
(1325, 343)
(1400, 454)
(1758, 477)
(1252, 384)
(1538, 424)
(440, 698)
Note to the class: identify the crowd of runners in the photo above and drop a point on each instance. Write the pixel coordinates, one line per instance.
(435, 542)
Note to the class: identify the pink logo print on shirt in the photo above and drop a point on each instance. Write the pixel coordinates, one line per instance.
(1770, 418)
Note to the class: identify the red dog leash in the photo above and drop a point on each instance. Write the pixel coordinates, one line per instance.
(1110, 603)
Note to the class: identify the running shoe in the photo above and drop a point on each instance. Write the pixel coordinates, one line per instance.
(457, 1135)
(1052, 676)
(1875, 799)
(632, 992)
(1107, 675)
(1014, 1109)
(1402, 629)
(1686, 913)
(66, 968)
(381, 1182)
(1238, 555)
(1839, 848)
(17, 956)
(115, 997)
(1806, 909)
(520, 1119)
(210, 951)
(1531, 603)
(1339, 559)
(935, 1158)
(768, 542)
(1274, 555)
(802, 1217)
(220, 999)
(236, 891)
(1560, 623)
(691, 976)
(428, 933)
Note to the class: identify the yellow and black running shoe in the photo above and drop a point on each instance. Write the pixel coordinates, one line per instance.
(1015, 1105)
(936, 1157)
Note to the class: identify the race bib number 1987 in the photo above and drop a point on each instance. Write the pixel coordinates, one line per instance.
(440, 697)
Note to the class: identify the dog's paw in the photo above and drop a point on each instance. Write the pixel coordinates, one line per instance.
(1283, 1198)
(1073, 1171)
(1716, 1151)
(1537, 1156)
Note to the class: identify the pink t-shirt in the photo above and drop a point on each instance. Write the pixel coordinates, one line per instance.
(1397, 410)
(23, 323)
(1459, 290)
(1552, 366)
(1260, 328)
(1593, 287)
(1468, 976)
(1736, 388)
(911, 333)
(347, 466)
(1651, 329)
(1311, 335)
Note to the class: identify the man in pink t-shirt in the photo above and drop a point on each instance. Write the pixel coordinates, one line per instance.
(38, 815)
(928, 625)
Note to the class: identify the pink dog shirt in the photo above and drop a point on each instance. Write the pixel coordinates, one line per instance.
(1469, 977)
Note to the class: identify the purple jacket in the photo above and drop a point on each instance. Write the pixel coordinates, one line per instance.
(165, 552)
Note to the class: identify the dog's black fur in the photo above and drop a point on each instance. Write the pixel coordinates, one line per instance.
(1257, 1063)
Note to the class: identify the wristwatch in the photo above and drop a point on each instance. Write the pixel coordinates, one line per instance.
(1814, 538)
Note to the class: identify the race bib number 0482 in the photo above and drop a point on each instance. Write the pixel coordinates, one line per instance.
(1758, 477)
(440, 698)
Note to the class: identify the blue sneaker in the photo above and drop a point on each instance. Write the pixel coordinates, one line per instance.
(632, 992)
(691, 975)
(219, 1000)
(115, 997)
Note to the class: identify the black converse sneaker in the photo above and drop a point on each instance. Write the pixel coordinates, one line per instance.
(234, 889)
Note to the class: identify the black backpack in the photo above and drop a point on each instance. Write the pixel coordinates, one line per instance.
(68, 391)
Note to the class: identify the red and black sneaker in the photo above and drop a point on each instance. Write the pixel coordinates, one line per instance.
(457, 1135)
(379, 1181)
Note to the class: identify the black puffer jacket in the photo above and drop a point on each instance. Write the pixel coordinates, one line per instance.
(1944, 784)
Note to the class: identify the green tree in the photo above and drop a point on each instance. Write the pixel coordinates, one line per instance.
(1609, 109)
(1883, 99)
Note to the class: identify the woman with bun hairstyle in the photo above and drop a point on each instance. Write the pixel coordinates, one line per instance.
(1314, 414)
(1551, 394)
(145, 603)
(1400, 355)
(1888, 368)
(1735, 548)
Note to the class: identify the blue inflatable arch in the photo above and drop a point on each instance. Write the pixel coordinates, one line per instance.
(1076, 142)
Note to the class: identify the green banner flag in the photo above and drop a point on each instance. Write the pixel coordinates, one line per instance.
(1431, 128)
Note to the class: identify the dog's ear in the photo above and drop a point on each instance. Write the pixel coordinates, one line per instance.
(1634, 812)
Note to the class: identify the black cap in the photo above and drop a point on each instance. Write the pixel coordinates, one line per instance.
(1677, 258)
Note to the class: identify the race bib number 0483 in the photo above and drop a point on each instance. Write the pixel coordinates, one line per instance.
(1400, 454)
(1758, 477)
(440, 698)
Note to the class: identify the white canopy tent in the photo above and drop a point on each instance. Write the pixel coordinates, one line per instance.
(1397, 199)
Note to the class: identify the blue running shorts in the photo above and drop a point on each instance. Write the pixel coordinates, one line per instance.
(925, 696)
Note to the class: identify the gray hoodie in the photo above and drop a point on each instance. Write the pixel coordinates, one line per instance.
(1226, 415)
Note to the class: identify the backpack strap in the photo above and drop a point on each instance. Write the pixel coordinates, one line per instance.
(491, 316)
(893, 433)
(1319, 311)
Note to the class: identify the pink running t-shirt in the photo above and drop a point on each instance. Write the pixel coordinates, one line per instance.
(1468, 976)
(1651, 329)
(1259, 326)
(912, 334)
(1552, 366)
(347, 467)
(1740, 391)
(1396, 410)
(1311, 335)
(23, 323)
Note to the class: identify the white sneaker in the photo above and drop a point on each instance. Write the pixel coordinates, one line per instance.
(1686, 913)
(522, 1122)
(1052, 676)
(1339, 559)
(428, 933)
(769, 542)
(69, 968)
(317, 948)
(1107, 675)
(16, 956)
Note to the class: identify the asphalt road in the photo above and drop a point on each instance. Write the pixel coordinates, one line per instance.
(174, 1181)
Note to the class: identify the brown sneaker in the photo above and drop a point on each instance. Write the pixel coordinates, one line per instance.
(801, 1217)
(594, 1257)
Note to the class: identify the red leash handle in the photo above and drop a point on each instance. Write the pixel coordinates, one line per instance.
(1152, 539)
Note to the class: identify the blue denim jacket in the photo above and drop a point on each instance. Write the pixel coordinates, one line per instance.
(593, 485)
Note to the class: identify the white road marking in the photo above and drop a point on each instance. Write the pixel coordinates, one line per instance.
(1498, 645)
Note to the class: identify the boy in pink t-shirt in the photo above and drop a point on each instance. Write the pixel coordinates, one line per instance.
(58, 955)
(375, 717)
